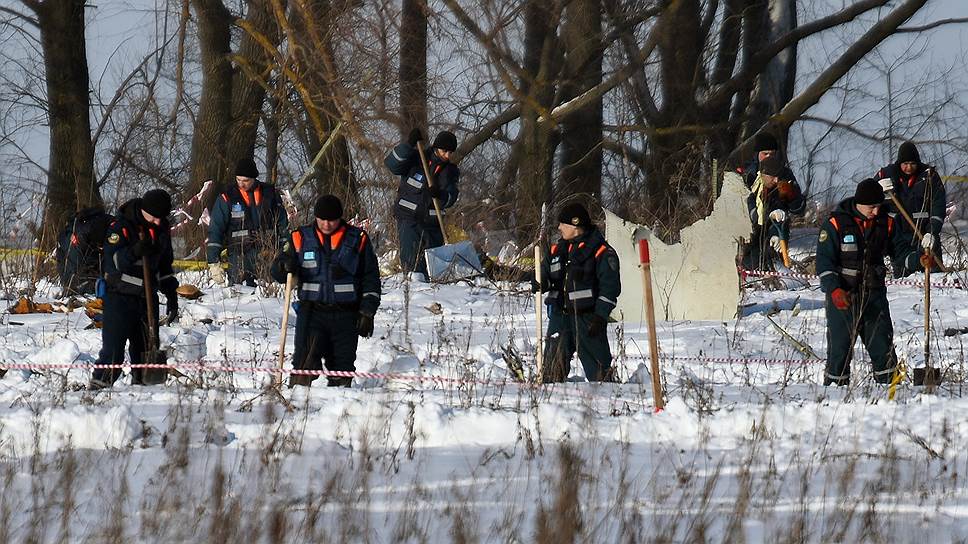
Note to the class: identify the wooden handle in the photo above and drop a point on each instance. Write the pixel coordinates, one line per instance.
(785, 251)
(430, 183)
(645, 264)
(290, 282)
(538, 310)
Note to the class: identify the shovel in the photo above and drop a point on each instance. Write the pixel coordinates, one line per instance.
(290, 282)
(154, 356)
(448, 262)
(927, 375)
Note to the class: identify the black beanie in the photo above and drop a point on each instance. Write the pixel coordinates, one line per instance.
(156, 202)
(246, 168)
(576, 215)
(764, 141)
(328, 207)
(446, 141)
(869, 192)
(908, 152)
(771, 165)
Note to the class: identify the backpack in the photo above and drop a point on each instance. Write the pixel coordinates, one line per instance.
(80, 246)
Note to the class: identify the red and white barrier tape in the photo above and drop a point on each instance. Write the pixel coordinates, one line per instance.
(953, 284)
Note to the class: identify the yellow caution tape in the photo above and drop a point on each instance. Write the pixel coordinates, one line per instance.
(954, 178)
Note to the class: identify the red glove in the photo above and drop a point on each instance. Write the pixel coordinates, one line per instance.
(788, 191)
(840, 298)
(928, 261)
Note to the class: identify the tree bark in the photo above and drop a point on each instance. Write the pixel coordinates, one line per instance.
(581, 132)
(413, 66)
(70, 178)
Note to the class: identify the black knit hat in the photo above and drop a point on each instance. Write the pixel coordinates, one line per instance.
(764, 141)
(157, 202)
(908, 152)
(246, 168)
(328, 207)
(446, 141)
(771, 165)
(576, 215)
(869, 192)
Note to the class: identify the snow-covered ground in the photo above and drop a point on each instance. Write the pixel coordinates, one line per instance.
(748, 449)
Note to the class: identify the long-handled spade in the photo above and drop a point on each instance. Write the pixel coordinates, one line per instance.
(927, 375)
(153, 356)
(290, 282)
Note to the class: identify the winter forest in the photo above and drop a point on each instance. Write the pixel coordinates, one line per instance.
(411, 361)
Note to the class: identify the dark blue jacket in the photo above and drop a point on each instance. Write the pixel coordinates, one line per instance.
(238, 218)
(582, 275)
(123, 271)
(795, 206)
(339, 269)
(922, 195)
(413, 193)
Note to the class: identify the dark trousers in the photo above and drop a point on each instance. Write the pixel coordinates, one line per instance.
(759, 254)
(868, 317)
(242, 263)
(125, 321)
(568, 333)
(415, 237)
(327, 333)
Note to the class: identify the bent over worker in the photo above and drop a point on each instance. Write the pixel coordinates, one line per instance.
(580, 276)
(417, 224)
(247, 217)
(140, 232)
(339, 291)
(850, 262)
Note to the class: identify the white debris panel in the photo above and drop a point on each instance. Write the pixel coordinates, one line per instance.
(693, 279)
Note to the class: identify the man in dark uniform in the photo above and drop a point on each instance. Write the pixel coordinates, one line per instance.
(246, 218)
(339, 291)
(141, 231)
(850, 262)
(580, 275)
(774, 198)
(921, 191)
(417, 224)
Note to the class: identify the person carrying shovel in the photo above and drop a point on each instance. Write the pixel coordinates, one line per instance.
(418, 226)
(774, 198)
(338, 279)
(919, 189)
(850, 263)
(580, 274)
(137, 263)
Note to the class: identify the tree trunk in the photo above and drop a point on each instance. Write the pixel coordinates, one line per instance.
(413, 66)
(775, 85)
(581, 131)
(208, 160)
(70, 177)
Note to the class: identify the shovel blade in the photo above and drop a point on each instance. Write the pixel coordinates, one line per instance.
(155, 376)
(927, 375)
(452, 262)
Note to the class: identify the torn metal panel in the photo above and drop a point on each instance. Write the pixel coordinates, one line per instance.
(693, 279)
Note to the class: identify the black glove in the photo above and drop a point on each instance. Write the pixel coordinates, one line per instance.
(535, 287)
(415, 136)
(596, 325)
(437, 192)
(290, 263)
(364, 325)
(171, 304)
(144, 247)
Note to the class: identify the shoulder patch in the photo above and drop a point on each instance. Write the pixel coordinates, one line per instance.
(823, 236)
(114, 238)
(612, 261)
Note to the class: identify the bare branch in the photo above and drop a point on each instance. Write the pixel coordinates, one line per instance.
(932, 25)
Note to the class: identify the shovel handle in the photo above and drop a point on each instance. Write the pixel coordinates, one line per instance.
(430, 183)
(290, 282)
(538, 310)
(645, 264)
(785, 251)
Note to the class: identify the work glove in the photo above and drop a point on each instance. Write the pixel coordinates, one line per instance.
(144, 247)
(887, 184)
(927, 241)
(928, 261)
(217, 273)
(778, 216)
(414, 137)
(535, 286)
(437, 192)
(364, 325)
(840, 298)
(171, 307)
(596, 325)
(775, 243)
(788, 191)
(290, 263)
